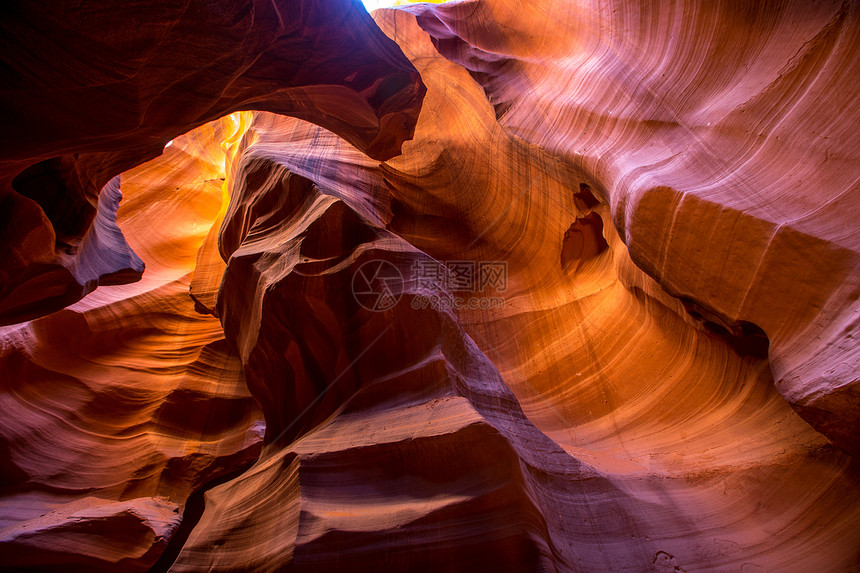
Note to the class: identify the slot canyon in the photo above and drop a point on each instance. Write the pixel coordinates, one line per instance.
(478, 286)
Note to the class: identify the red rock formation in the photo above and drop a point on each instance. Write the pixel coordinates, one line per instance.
(674, 296)
(125, 403)
(90, 91)
(730, 166)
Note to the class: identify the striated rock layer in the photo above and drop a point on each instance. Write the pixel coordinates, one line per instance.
(119, 407)
(729, 166)
(92, 90)
(652, 368)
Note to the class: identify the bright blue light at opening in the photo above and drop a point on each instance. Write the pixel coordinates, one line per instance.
(372, 5)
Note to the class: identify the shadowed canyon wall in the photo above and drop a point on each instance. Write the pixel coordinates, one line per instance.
(541, 286)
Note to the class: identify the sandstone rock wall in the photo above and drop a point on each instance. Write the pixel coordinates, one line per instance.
(666, 379)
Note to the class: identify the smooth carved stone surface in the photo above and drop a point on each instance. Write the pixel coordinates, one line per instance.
(118, 408)
(730, 165)
(89, 91)
(386, 406)
(672, 191)
(377, 421)
(95, 534)
(710, 468)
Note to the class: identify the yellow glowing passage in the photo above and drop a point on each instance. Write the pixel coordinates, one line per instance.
(372, 5)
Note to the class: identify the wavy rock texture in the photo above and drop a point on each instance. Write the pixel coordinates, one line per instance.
(90, 91)
(729, 166)
(121, 406)
(672, 191)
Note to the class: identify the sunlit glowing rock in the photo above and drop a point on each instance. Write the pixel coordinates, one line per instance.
(121, 83)
(665, 379)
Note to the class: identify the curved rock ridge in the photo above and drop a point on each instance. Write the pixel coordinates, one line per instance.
(710, 468)
(660, 375)
(91, 91)
(122, 405)
(376, 420)
(411, 427)
(723, 139)
(92, 532)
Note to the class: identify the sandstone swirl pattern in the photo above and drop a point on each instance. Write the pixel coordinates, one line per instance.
(92, 90)
(670, 384)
